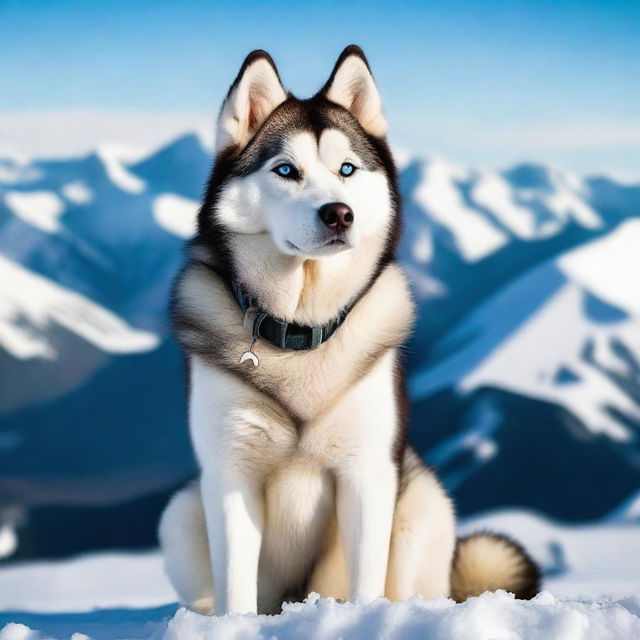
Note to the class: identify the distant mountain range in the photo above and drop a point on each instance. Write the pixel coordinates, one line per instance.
(524, 367)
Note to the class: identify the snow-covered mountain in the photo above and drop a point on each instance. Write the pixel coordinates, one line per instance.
(525, 364)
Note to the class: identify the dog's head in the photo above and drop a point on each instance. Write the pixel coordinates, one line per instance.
(315, 176)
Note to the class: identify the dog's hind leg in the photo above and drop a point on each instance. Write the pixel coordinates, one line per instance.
(423, 536)
(422, 542)
(183, 538)
(330, 577)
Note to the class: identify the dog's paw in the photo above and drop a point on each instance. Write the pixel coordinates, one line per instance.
(204, 606)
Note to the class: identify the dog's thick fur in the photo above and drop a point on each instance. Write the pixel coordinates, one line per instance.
(307, 482)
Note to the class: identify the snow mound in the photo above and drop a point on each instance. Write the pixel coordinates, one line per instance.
(77, 192)
(109, 596)
(30, 304)
(596, 562)
(609, 267)
(492, 191)
(492, 616)
(629, 511)
(16, 631)
(114, 165)
(8, 540)
(127, 580)
(176, 214)
(41, 209)
(518, 207)
(477, 213)
(439, 195)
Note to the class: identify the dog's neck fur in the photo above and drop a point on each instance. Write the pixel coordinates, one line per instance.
(304, 291)
(209, 322)
(294, 289)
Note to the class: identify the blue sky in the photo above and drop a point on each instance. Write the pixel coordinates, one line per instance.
(479, 82)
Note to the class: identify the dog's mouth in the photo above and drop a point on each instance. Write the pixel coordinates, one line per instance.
(334, 243)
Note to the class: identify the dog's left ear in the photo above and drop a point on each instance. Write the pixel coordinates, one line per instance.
(253, 96)
(352, 86)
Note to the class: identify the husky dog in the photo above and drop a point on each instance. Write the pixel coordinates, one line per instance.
(292, 313)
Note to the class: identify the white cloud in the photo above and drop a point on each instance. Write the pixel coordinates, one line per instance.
(583, 146)
(576, 135)
(70, 133)
(586, 147)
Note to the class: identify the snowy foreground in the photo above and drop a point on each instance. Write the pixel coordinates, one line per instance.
(492, 616)
(592, 574)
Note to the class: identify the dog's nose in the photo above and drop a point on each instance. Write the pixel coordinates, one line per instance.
(336, 215)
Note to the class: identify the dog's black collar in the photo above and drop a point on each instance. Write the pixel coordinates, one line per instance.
(285, 335)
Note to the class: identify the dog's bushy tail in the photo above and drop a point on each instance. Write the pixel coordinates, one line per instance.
(487, 562)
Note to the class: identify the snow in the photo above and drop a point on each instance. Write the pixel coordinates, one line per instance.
(8, 540)
(493, 192)
(604, 269)
(30, 304)
(629, 511)
(590, 570)
(610, 267)
(480, 212)
(553, 197)
(176, 214)
(568, 205)
(423, 248)
(499, 343)
(592, 562)
(114, 165)
(592, 573)
(520, 365)
(77, 192)
(439, 195)
(402, 156)
(58, 586)
(71, 133)
(424, 285)
(14, 631)
(41, 209)
(492, 616)
(16, 169)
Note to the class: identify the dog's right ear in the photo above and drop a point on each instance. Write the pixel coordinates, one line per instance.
(352, 86)
(254, 94)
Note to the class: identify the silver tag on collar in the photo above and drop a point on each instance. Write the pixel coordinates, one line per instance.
(249, 355)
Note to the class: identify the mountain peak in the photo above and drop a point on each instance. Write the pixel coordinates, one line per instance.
(180, 167)
(529, 175)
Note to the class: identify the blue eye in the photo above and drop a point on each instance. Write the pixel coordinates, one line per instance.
(286, 170)
(346, 169)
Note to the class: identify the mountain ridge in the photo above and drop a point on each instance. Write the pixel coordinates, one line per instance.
(494, 262)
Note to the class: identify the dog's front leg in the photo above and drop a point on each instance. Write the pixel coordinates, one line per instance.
(234, 516)
(366, 500)
(231, 487)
